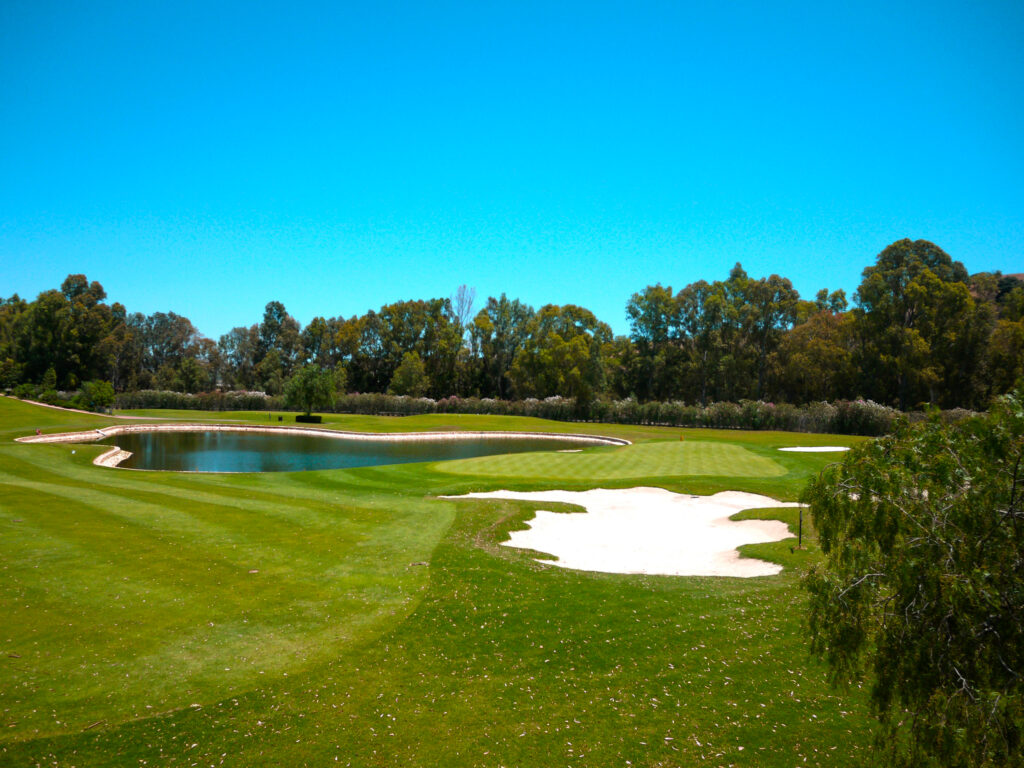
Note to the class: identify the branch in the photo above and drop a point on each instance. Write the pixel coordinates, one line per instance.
(858, 582)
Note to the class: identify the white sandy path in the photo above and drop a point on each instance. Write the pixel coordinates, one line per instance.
(816, 449)
(649, 530)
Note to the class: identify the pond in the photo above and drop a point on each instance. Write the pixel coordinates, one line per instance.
(215, 451)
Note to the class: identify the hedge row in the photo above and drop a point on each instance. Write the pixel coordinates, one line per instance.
(848, 417)
(147, 399)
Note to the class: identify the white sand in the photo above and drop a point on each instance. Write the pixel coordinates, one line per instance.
(816, 449)
(649, 530)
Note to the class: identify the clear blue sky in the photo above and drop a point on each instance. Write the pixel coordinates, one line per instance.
(206, 158)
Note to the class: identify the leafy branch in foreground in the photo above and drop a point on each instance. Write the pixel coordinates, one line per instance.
(922, 588)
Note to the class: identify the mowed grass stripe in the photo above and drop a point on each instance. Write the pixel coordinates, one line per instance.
(226, 506)
(657, 459)
(139, 616)
(121, 585)
(243, 492)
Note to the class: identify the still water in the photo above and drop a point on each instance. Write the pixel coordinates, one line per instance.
(261, 452)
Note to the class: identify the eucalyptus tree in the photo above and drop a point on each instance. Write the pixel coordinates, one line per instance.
(912, 305)
(431, 330)
(238, 349)
(318, 344)
(497, 333)
(702, 317)
(654, 330)
(922, 586)
(563, 354)
(122, 348)
(369, 371)
(768, 309)
(814, 360)
(11, 371)
(279, 341)
(167, 339)
(64, 330)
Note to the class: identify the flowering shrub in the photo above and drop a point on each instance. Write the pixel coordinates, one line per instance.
(204, 401)
(850, 417)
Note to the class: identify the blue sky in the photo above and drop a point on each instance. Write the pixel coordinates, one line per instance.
(206, 158)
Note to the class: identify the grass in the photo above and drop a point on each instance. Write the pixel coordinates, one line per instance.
(662, 459)
(291, 619)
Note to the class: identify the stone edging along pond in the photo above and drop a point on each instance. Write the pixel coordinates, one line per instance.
(116, 455)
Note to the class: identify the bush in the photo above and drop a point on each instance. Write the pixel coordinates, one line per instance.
(50, 397)
(854, 417)
(921, 588)
(303, 418)
(95, 396)
(205, 401)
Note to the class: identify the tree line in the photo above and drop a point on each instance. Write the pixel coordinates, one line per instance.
(920, 330)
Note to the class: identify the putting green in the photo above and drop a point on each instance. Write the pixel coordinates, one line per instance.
(663, 459)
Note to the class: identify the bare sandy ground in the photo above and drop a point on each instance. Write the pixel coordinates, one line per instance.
(649, 531)
(816, 449)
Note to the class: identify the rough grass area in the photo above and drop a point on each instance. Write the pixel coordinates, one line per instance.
(291, 619)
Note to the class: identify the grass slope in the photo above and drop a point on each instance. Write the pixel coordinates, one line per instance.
(383, 626)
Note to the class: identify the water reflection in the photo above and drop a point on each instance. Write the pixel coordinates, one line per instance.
(261, 452)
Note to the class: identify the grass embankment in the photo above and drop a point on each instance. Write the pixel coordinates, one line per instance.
(288, 619)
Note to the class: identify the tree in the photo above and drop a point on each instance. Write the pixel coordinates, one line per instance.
(97, 395)
(410, 377)
(914, 310)
(563, 354)
(278, 333)
(462, 305)
(311, 387)
(768, 311)
(813, 360)
(922, 586)
(497, 333)
(238, 349)
(702, 310)
(49, 382)
(317, 342)
(654, 322)
(191, 375)
(270, 373)
(1006, 353)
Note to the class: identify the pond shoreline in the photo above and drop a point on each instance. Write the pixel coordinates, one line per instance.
(116, 455)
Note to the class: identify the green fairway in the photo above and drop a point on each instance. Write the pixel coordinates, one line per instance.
(291, 619)
(630, 462)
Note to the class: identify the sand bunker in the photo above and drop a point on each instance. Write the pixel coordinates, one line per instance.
(648, 530)
(816, 449)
